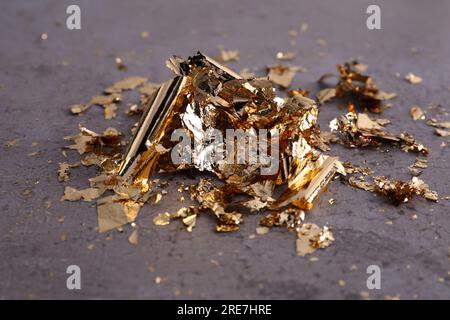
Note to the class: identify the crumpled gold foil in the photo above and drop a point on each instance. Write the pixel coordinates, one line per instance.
(204, 95)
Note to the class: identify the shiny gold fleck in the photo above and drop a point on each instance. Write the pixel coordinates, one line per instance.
(283, 75)
(413, 79)
(79, 108)
(162, 219)
(417, 113)
(63, 171)
(326, 94)
(134, 237)
(11, 143)
(262, 230)
(229, 55)
(72, 194)
(286, 56)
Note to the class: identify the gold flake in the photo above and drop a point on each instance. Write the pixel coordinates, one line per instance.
(262, 230)
(417, 113)
(321, 41)
(63, 171)
(312, 237)
(11, 143)
(134, 237)
(413, 79)
(72, 194)
(228, 55)
(286, 56)
(442, 133)
(304, 27)
(246, 73)
(114, 213)
(190, 221)
(79, 108)
(110, 111)
(162, 219)
(282, 75)
(102, 100)
(129, 83)
(326, 94)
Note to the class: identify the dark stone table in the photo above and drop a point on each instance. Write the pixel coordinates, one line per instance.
(39, 79)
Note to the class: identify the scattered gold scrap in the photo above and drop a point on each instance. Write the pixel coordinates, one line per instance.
(286, 56)
(420, 163)
(11, 143)
(321, 41)
(326, 94)
(283, 75)
(247, 73)
(162, 219)
(304, 27)
(417, 113)
(412, 78)
(102, 100)
(396, 191)
(89, 194)
(311, 237)
(129, 83)
(359, 130)
(205, 92)
(114, 212)
(79, 108)
(228, 55)
(34, 154)
(134, 237)
(262, 230)
(442, 133)
(438, 124)
(110, 111)
(120, 65)
(149, 88)
(360, 88)
(190, 221)
(63, 174)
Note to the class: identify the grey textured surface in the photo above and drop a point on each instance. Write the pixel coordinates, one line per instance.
(40, 79)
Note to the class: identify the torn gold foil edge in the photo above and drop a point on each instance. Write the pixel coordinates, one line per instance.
(141, 156)
(205, 93)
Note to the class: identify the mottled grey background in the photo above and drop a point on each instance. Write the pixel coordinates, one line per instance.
(40, 79)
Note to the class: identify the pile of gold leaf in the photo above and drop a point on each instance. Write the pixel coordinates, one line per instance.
(282, 184)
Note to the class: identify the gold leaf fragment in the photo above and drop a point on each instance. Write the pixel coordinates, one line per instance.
(416, 113)
(162, 219)
(114, 213)
(413, 79)
(134, 237)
